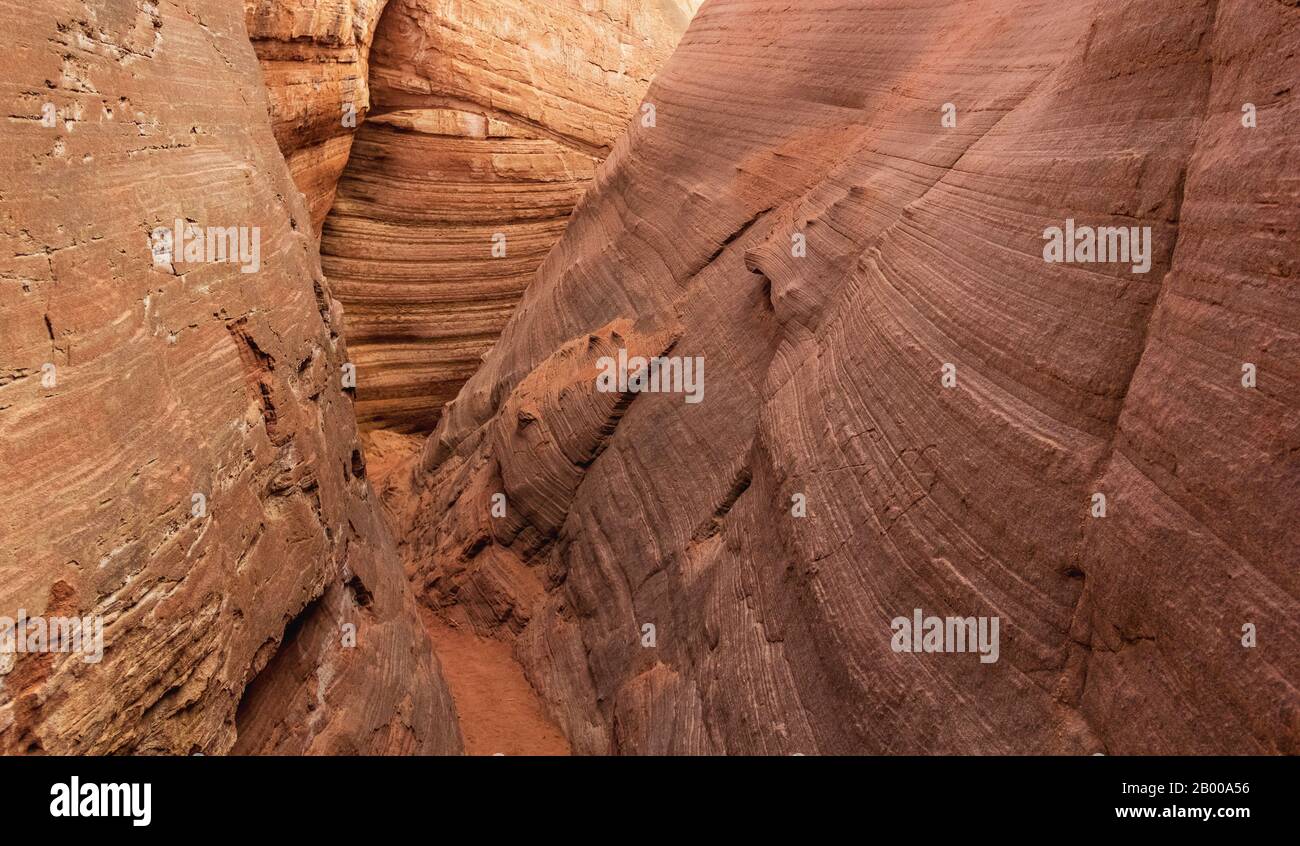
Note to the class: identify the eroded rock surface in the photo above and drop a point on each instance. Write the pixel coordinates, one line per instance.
(180, 458)
(490, 117)
(314, 60)
(824, 380)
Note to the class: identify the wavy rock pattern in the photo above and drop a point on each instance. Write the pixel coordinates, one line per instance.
(314, 60)
(424, 195)
(491, 117)
(1120, 634)
(224, 618)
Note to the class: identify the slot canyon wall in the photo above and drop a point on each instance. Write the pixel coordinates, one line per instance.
(969, 496)
(488, 120)
(314, 56)
(179, 456)
(839, 208)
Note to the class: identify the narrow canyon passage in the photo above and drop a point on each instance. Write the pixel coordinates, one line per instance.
(499, 711)
(473, 150)
(353, 394)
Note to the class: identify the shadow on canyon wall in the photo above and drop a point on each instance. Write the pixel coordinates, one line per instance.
(897, 392)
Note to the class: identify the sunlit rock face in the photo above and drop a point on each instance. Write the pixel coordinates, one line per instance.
(489, 118)
(842, 209)
(314, 60)
(180, 456)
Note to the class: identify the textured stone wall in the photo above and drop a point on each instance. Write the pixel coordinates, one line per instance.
(314, 61)
(495, 114)
(842, 209)
(180, 457)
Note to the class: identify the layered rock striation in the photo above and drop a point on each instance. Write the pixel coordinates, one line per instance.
(314, 61)
(181, 460)
(844, 210)
(489, 120)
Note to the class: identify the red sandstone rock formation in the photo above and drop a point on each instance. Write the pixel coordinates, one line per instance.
(409, 249)
(491, 117)
(314, 61)
(924, 248)
(179, 455)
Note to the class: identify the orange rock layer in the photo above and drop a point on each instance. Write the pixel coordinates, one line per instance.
(440, 222)
(181, 460)
(494, 115)
(944, 403)
(314, 62)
